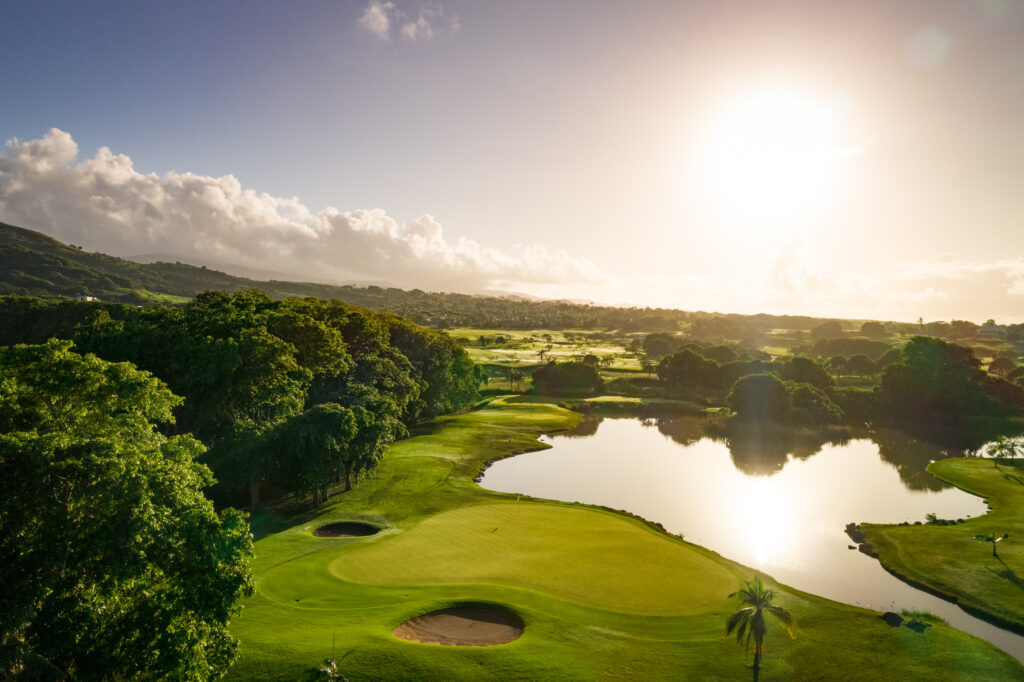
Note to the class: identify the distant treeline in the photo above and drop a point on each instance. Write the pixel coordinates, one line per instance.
(927, 383)
(262, 378)
(32, 264)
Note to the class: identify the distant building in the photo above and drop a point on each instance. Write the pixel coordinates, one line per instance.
(992, 331)
(82, 297)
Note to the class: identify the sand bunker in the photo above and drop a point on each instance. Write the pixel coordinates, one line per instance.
(345, 529)
(463, 626)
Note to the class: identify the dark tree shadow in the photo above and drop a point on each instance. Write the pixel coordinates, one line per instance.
(1007, 573)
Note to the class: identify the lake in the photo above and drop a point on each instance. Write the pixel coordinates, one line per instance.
(781, 507)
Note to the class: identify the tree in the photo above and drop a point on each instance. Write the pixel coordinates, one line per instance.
(934, 380)
(993, 538)
(1002, 366)
(749, 622)
(116, 566)
(810, 406)
(837, 364)
(660, 344)
(310, 449)
(567, 377)
(686, 369)
(873, 329)
(805, 371)
(759, 397)
(720, 354)
(962, 329)
(861, 365)
(827, 330)
(374, 431)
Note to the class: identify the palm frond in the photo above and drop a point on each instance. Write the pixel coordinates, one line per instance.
(785, 619)
(737, 619)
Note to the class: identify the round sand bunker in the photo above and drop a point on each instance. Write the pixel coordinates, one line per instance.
(345, 529)
(463, 626)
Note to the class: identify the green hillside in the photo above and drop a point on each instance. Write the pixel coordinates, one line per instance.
(32, 264)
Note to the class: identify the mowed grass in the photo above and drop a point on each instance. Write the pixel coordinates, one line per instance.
(948, 559)
(603, 595)
(616, 564)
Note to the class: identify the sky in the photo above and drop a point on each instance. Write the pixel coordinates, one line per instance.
(856, 159)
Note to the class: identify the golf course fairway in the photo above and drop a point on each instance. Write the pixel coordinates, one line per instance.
(602, 595)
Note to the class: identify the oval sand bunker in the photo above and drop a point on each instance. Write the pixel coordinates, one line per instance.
(463, 626)
(345, 529)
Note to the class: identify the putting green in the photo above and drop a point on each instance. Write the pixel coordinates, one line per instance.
(595, 559)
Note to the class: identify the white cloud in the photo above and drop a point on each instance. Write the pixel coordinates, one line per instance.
(940, 289)
(432, 20)
(376, 18)
(104, 204)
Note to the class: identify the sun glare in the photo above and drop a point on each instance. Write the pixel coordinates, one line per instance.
(765, 500)
(773, 159)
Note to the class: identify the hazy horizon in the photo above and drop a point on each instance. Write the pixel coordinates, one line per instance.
(854, 160)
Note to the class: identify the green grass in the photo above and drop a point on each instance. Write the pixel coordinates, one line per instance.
(948, 560)
(617, 565)
(603, 595)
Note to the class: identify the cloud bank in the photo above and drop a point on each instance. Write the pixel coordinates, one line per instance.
(104, 204)
(793, 279)
(382, 19)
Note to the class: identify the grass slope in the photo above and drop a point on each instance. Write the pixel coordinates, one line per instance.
(949, 561)
(578, 576)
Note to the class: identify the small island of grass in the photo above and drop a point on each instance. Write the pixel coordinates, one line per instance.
(948, 560)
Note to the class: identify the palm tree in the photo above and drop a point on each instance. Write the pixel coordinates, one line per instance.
(749, 622)
(993, 538)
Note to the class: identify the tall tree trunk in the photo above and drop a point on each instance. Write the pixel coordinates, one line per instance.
(348, 478)
(757, 663)
(254, 494)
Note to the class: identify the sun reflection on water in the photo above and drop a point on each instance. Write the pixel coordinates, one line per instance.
(766, 519)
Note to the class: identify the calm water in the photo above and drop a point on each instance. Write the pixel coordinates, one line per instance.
(781, 507)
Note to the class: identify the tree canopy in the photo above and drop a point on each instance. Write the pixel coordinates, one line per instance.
(934, 379)
(246, 364)
(567, 377)
(115, 564)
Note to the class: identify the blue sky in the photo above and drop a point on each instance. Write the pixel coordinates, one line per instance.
(577, 126)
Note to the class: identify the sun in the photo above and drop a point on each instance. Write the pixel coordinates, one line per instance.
(772, 159)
